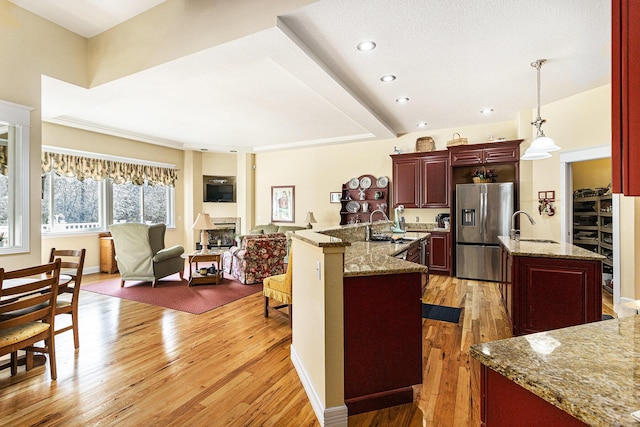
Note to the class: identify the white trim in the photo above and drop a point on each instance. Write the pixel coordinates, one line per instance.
(566, 214)
(19, 186)
(80, 153)
(337, 416)
(15, 114)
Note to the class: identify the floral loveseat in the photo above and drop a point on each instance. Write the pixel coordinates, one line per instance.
(258, 256)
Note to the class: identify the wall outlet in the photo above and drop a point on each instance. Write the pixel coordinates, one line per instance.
(417, 219)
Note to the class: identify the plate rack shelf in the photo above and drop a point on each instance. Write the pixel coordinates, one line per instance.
(361, 196)
(593, 230)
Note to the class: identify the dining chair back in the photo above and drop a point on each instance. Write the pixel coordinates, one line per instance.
(72, 263)
(27, 312)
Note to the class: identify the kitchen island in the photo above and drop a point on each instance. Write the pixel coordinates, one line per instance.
(548, 285)
(382, 324)
(380, 304)
(580, 375)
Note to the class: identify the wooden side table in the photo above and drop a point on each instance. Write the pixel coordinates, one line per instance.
(108, 262)
(195, 278)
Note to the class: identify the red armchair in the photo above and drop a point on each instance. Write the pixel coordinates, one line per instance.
(257, 257)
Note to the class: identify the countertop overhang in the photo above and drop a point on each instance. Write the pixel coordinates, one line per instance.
(543, 249)
(586, 370)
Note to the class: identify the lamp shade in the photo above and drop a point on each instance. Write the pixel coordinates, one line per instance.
(203, 222)
(532, 155)
(310, 219)
(543, 144)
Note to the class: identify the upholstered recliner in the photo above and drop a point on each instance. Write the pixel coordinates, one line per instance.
(257, 257)
(141, 254)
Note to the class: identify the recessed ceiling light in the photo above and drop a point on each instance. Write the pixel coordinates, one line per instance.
(402, 100)
(422, 124)
(486, 111)
(366, 45)
(388, 78)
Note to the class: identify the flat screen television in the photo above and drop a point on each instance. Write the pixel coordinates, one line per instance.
(219, 189)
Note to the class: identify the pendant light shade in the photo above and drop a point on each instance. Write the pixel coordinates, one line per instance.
(542, 145)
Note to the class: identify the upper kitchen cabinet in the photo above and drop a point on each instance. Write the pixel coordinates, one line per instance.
(625, 96)
(484, 154)
(421, 180)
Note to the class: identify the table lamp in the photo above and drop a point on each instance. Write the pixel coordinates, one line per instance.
(203, 223)
(309, 219)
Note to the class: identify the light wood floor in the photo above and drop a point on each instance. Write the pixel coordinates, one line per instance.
(140, 365)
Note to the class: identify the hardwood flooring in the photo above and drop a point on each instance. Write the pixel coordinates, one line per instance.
(141, 365)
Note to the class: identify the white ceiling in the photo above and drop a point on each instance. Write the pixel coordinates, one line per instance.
(303, 82)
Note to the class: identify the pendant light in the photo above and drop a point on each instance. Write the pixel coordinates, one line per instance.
(542, 146)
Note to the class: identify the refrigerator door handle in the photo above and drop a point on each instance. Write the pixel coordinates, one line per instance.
(483, 214)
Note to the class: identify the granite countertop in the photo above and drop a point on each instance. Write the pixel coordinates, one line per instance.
(545, 249)
(376, 258)
(369, 258)
(589, 371)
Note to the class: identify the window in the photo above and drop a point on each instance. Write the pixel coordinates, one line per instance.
(14, 177)
(142, 203)
(71, 204)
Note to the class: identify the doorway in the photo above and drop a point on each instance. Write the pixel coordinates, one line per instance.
(567, 162)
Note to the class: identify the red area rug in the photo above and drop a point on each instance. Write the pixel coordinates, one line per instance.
(176, 294)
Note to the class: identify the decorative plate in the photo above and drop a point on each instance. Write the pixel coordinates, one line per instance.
(382, 182)
(365, 182)
(353, 206)
(354, 183)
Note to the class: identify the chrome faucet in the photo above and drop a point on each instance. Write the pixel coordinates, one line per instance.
(514, 234)
(367, 236)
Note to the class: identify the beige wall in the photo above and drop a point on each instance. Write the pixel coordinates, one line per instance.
(316, 172)
(32, 47)
(76, 139)
(580, 121)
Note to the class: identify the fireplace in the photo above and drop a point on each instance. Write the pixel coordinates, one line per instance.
(224, 233)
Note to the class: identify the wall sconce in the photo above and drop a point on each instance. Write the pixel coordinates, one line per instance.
(545, 199)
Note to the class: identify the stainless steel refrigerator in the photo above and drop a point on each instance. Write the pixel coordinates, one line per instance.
(483, 212)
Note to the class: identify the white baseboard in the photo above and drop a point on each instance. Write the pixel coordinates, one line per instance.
(329, 417)
(91, 270)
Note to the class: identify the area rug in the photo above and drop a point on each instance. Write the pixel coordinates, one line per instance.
(441, 312)
(176, 294)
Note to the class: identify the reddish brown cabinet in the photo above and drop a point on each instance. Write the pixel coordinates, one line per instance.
(382, 340)
(440, 252)
(625, 96)
(481, 154)
(421, 180)
(503, 401)
(541, 293)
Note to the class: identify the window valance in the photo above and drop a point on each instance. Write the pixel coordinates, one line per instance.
(97, 169)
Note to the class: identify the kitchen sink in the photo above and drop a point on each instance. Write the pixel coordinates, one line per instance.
(538, 240)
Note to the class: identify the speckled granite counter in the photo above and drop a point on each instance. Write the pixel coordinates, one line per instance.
(544, 249)
(369, 258)
(375, 258)
(589, 371)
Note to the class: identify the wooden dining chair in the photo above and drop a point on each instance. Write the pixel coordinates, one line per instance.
(72, 263)
(28, 298)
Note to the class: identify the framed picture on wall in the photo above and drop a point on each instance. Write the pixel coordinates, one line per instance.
(334, 197)
(282, 203)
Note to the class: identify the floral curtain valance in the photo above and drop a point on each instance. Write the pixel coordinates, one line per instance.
(97, 169)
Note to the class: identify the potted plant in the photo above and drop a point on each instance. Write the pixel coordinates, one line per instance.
(483, 175)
